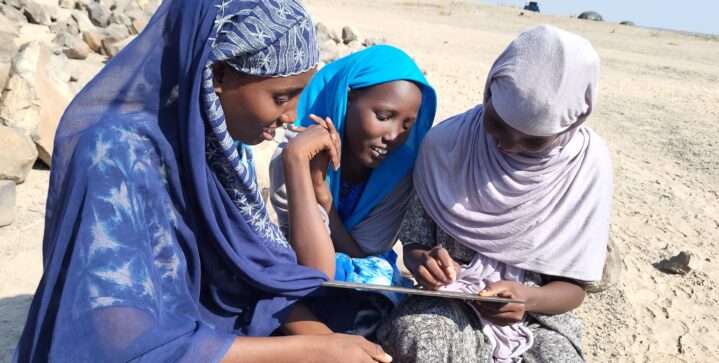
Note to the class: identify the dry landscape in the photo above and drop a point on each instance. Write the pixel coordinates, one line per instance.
(658, 110)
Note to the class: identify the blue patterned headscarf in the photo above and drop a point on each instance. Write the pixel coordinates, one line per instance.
(157, 244)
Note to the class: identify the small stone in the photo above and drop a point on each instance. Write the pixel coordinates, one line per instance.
(323, 33)
(68, 25)
(99, 14)
(374, 41)
(72, 46)
(83, 21)
(117, 31)
(7, 202)
(355, 45)
(349, 34)
(93, 39)
(68, 4)
(18, 155)
(138, 25)
(112, 46)
(121, 19)
(335, 36)
(37, 14)
(329, 51)
(678, 264)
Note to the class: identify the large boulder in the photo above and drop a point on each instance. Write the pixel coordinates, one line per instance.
(18, 155)
(7, 202)
(591, 15)
(36, 96)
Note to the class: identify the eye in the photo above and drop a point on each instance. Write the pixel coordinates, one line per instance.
(281, 100)
(382, 116)
(407, 125)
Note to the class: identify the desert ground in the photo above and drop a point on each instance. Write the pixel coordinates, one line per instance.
(657, 110)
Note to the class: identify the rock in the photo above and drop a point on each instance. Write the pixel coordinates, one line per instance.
(591, 15)
(36, 96)
(627, 23)
(323, 33)
(612, 272)
(117, 31)
(69, 26)
(7, 26)
(68, 4)
(120, 19)
(349, 34)
(72, 46)
(93, 39)
(17, 4)
(119, 5)
(329, 51)
(7, 202)
(12, 14)
(8, 49)
(355, 45)
(112, 46)
(678, 264)
(334, 35)
(138, 25)
(374, 41)
(18, 155)
(37, 14)
(99, 14)
(83, 21)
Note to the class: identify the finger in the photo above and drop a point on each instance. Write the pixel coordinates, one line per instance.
(318, 120)
(447, 263)
(295, 128)
(436, 271)
(375, 351)
(493, 306)
(499, 288)
(426, 279)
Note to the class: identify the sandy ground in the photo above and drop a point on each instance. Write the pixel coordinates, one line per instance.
(658, 107)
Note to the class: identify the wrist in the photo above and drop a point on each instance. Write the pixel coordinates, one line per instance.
(293, 155)
(532, 296)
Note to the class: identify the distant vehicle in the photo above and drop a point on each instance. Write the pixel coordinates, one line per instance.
(591, 15)
(627, 22)
(532, 6)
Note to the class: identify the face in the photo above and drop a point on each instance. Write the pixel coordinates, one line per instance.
(509, 140)
(255, 106)
(379, 119)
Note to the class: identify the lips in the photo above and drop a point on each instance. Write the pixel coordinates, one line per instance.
(268, 134)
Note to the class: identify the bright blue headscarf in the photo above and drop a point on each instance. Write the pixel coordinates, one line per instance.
(326, 96)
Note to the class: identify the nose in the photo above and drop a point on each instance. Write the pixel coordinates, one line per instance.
(288, 116)
(393, 133)
(508, 144)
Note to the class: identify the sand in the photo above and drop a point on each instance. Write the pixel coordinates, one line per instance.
(657, 109)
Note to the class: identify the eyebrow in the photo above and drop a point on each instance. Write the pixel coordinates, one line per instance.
(290, 90)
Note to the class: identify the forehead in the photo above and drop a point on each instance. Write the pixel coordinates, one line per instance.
(281, 83)
(400, 92)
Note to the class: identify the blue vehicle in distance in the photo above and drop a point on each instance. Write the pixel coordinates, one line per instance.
(532, 6)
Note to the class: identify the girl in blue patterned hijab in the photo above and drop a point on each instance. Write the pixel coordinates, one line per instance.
(157, 243)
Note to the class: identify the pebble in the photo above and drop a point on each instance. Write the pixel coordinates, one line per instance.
(678, 264)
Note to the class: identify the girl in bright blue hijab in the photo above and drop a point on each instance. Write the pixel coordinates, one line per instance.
(382, 107)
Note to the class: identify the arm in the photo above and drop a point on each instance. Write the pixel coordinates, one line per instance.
(306, 348)
(301, 321)
(308, 235)
(341, 238)
(556, 297)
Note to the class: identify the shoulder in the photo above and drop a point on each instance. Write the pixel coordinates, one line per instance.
(117, 148)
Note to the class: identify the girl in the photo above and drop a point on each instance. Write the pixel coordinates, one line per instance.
(382, 107)
(157, 244)
(517, 193)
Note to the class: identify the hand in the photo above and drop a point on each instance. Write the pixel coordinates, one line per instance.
(313, 141)
(504, 314)
(432, 269)
(347, 348)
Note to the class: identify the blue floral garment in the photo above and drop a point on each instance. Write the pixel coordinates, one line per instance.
(378, 270)
(157, 244)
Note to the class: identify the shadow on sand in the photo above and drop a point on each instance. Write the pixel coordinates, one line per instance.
(13, 311)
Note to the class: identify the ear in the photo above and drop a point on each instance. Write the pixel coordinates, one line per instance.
(219, 71)
(351, 94)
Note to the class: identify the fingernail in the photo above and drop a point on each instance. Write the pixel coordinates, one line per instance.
(388, 357)
(482, 293)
